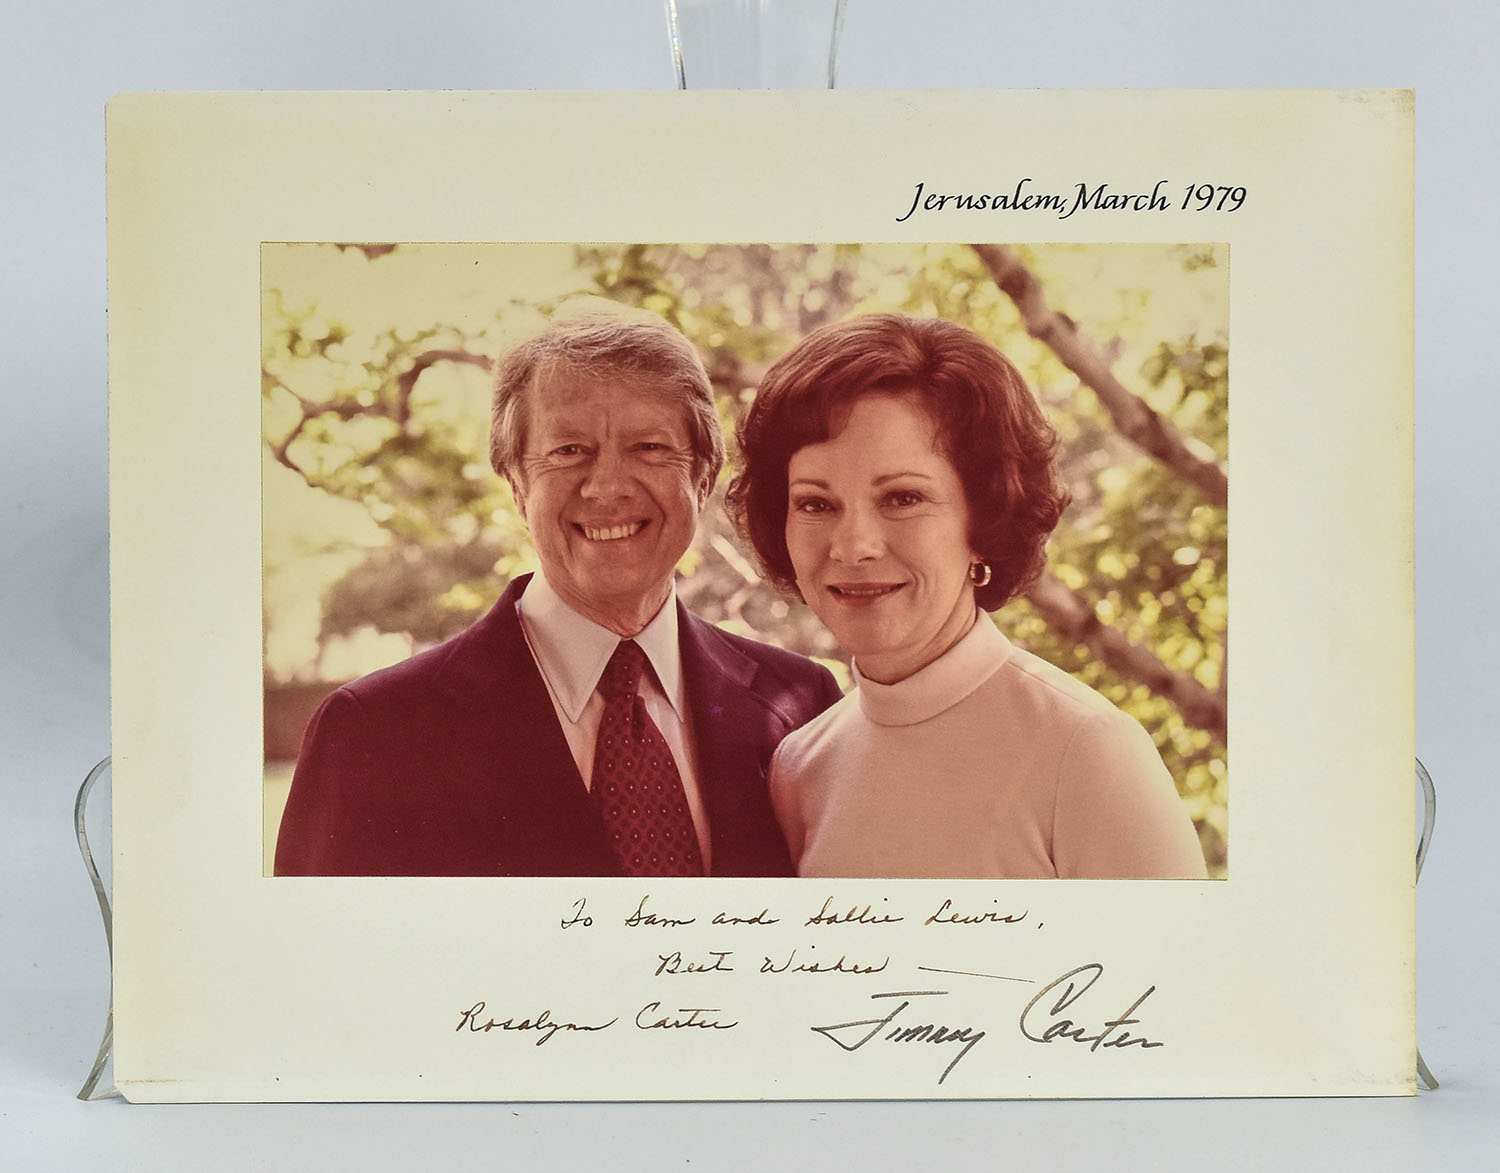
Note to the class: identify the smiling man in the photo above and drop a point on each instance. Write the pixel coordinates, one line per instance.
(588, 724)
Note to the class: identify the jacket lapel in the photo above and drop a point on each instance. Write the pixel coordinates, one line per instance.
(540, 816)
(735, 731)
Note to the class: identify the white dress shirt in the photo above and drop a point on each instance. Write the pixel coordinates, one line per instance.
(571, 652)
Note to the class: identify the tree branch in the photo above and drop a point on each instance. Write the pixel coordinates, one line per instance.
(1069, 614)
(280, 451)
(1132, 417)
(347, 409)
(401, 412)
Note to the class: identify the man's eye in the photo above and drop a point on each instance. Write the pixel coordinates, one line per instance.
(567, 450)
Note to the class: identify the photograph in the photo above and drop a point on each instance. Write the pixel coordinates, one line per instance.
(827, 560)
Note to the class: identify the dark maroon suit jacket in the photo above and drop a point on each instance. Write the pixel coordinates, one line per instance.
(453, 763)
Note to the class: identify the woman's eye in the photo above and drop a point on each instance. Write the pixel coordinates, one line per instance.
(905, 499)
(810, 505)
(568, 450)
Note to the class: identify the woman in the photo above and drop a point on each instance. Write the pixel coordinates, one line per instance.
(898, 475)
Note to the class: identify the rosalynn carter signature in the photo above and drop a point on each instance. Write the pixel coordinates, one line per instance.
(651, 1016)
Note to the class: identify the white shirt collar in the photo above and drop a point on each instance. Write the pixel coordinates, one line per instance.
(572, 651)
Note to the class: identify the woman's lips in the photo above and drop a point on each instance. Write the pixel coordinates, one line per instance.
(863, 592)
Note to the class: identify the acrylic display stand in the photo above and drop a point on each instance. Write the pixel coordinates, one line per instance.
(755, 44)
(714, 44)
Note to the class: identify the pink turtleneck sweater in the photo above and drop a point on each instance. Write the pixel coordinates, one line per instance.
(989, 762)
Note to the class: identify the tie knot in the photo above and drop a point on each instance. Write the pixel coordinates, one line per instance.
(622, 675)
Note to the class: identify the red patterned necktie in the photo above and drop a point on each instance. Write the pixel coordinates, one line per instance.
(636, 785)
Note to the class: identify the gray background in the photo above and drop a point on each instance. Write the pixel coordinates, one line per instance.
(65, 60)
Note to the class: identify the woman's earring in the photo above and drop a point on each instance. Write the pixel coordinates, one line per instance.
(979, 573)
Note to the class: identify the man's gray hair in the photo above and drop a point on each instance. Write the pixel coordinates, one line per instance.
(645, 351)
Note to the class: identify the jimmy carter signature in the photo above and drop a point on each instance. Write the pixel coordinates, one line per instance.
(1042, 1021)
(851, 1036)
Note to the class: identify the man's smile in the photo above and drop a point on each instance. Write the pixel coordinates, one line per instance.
(612, 533)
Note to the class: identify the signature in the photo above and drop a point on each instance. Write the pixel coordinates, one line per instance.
(1044, 1013)
(543, 1023)
(647, 1018)
(851, 1036)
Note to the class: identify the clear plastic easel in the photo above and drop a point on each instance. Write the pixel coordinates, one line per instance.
(714, 44)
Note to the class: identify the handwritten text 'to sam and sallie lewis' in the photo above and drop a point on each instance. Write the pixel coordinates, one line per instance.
(902, 1011)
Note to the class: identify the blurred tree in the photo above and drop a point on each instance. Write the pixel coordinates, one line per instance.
(1134, 375)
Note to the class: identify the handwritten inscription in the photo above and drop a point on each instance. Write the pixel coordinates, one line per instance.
(1042, 1021)
(648, 1017)
(578, 915)
(544, 1024)
(763, 917)
(691, 1018)
(855, 915)
(851, 1036)
(675, 962)
(806, 965)
(641, 917)
(905, 1025)
(947, 915)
